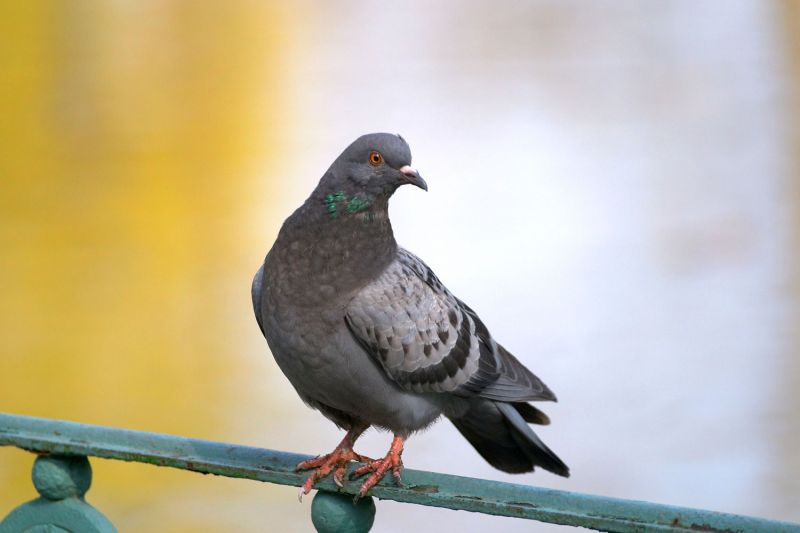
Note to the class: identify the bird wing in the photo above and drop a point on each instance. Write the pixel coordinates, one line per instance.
(427, 340)
(255, 293)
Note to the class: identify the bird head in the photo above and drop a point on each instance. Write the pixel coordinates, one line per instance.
(375, 165)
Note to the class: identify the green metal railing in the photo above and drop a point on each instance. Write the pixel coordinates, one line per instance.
(62, 475)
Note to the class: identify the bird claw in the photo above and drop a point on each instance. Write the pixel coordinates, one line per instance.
(339, 458)
(397, 480)
(379, 467)
(323, 465)
(311, 463)
(338, 475)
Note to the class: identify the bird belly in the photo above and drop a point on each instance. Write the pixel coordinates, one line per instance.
(334, 370)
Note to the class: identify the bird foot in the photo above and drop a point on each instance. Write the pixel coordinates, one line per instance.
(335, 462)
(379, 467)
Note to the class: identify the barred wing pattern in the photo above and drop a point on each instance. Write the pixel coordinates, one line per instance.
(427, 340)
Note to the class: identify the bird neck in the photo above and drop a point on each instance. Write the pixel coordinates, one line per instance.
(344, 239)
(350, 212)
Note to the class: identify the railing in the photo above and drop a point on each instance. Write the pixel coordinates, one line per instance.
(62, 475)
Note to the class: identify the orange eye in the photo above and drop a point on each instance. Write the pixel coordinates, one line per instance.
(375, 158)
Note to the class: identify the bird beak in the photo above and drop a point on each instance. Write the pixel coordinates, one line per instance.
(412, 176)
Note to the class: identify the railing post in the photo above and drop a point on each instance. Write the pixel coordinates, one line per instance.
(62, 482)
(332, 512)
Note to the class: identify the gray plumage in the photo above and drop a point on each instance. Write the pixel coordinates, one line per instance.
(368, 335)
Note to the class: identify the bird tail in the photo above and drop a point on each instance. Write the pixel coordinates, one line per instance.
(500, 432)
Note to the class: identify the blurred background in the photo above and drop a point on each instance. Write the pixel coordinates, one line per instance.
(615, 188)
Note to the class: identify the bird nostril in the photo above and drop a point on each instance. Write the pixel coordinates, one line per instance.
(408, 170)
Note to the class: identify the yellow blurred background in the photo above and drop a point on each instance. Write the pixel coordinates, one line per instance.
(134, 139)
(150, 151)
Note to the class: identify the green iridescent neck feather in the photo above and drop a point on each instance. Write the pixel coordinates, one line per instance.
(337, 202)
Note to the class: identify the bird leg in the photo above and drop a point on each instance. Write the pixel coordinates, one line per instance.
(335, 461)
(379, 467)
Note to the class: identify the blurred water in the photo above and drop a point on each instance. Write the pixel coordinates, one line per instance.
(608, 189)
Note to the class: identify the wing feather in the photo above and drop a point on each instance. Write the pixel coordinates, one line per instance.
(427, 340)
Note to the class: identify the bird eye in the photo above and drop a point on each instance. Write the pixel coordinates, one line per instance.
(375, 158)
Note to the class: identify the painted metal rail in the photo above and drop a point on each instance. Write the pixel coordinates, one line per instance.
(62, 475)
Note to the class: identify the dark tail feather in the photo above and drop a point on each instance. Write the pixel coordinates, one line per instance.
(501, 435)
(531, 414)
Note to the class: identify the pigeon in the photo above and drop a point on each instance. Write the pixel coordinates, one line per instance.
(368, 335)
